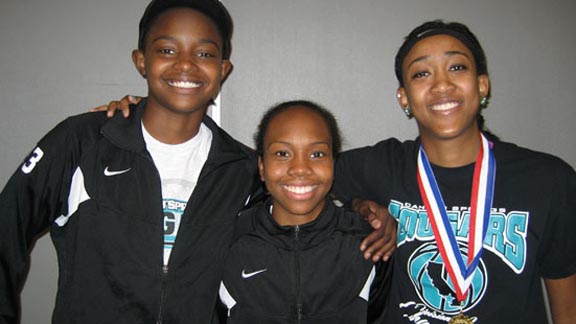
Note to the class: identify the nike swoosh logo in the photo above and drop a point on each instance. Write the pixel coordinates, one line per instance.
(251, 274)
(109, 173)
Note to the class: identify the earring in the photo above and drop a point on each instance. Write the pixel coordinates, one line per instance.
(484, 102)
(408, 111)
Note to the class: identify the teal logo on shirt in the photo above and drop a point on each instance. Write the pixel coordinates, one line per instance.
(431, 280)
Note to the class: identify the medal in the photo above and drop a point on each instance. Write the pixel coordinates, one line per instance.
(461, 271)
(460, 319)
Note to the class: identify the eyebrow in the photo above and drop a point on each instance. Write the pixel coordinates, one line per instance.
(289, 143)
(201, 41)
(448, 53)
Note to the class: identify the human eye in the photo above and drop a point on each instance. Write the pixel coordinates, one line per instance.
(281, 154)
(206, 51)
(206, 54)
(420, 74)
(459, 67)
(166, 51)
(318, 154)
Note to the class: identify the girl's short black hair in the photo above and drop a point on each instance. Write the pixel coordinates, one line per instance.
(214, 9)
(439, 27)
(278, 108)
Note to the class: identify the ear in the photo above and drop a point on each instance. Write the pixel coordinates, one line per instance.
(261, 168)
(139, 62)
(401, 97)
(484, 85)
(227, 68)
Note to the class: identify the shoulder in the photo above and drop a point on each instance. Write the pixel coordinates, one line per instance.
(246, 219)
(349, 221)
(385, 157)
(387, 151)
(528, 160)
(83, 123)
(387, 145)
(75, 129)
(224, 138)
(226, 143)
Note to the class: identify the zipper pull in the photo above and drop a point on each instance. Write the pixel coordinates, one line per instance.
(299, 311)
(296, 231)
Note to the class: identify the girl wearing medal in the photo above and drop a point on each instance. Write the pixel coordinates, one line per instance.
(480, 221)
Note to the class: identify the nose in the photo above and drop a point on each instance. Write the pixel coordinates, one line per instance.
(299, 167)
(442, 83)
(185, 63)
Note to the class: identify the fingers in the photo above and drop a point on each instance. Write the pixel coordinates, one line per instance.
(99, 108)
(381, 243)
(378, 245)
(389, 247)
(379, 249)
(374, 213)
(374, 220)
(134, 99)
(364, 208)
(112, 107)
(123, 105)
(126, 102)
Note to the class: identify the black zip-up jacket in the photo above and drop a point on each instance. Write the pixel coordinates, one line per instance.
(311, 273)
(92, 184)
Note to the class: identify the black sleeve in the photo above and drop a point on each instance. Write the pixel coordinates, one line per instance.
(557, 254)
(380, 291)
(30, 201)
(220, 314)
(367, 172)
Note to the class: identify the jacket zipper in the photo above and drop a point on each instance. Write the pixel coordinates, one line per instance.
(298, 283)
(164, 275)
(162, 294)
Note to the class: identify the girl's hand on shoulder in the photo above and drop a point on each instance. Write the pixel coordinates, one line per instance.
(122, 105)
(381, 243)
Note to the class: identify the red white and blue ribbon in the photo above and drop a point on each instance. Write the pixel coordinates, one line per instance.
(460, 272)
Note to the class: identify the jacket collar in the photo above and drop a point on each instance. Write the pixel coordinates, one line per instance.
(126, 133)
(309, 234)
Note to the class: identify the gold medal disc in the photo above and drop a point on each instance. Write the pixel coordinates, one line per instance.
(460, 319)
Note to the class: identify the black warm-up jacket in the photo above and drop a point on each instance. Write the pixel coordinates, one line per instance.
(311, 273)
(93, 185)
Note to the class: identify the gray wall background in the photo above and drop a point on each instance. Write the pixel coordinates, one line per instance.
(61, 57)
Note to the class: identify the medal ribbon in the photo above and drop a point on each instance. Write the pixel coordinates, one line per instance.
(480, 205)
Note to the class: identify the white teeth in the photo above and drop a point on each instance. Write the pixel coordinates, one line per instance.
(184, 84)
(299, 190)
(445, 106)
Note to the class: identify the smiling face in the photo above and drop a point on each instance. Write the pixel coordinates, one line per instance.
(182, 62)
(297, 164)
(442, 88)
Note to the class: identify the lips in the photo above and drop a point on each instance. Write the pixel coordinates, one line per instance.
(184, 84)
(299, 190)
(444, 106)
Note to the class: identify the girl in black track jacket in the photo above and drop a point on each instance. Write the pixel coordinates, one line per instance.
(297, 259)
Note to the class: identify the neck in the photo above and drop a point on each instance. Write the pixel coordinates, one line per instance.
(285, 218)
(172, 128)
(452, 153)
